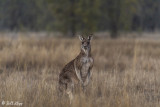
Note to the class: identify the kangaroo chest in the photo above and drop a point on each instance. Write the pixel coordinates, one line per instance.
(86, 63)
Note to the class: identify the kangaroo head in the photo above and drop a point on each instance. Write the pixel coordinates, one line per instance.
(85, 43)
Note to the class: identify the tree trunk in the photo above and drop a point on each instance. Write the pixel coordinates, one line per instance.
(73, 19)
(114, 30)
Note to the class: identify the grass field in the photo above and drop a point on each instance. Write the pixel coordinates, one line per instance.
(126, 72)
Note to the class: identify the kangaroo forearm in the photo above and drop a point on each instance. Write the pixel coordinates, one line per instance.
(87, 79)
(78, 74)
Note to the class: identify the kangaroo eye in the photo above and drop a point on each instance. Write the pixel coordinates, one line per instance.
(82, 42)
(87, 42)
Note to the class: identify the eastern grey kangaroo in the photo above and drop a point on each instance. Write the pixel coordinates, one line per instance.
(78, 70)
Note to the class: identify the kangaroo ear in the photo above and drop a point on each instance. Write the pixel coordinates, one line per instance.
(90, 37)
(81, 38)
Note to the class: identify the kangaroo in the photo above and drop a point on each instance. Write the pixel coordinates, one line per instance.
(77, 71)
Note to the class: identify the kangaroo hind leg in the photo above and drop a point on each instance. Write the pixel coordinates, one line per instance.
(69, 91)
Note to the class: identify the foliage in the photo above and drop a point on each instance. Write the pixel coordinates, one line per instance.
(82, 16)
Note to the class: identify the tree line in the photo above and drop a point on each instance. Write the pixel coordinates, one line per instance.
(84, 16)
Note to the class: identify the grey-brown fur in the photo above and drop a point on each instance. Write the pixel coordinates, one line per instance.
(78, 70)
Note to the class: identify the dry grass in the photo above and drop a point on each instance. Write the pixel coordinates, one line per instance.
(125, 74)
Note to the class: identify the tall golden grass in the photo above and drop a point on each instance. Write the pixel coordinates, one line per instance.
(125, 73)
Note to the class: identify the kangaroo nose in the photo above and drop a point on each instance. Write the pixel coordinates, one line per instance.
(85, 44)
